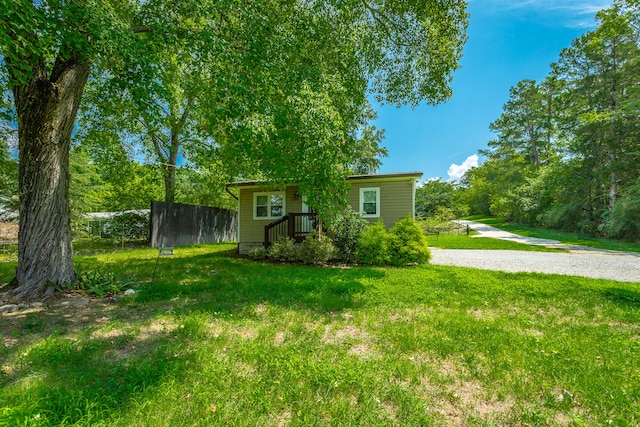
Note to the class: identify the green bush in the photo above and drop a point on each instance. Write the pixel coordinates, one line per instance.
(316, 249)
(259, 253)
(623, 220)
(346, 229)
(130, 225)
(562, 216)
(284, 249)
(405, 243)
(373, 245)
(408, 244)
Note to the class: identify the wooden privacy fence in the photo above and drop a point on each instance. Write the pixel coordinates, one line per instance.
(177, 224)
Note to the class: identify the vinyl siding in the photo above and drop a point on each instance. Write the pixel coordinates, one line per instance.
(396, 202)
(252, 230)
(396, 199)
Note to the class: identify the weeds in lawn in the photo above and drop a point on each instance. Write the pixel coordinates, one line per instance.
(101, 282)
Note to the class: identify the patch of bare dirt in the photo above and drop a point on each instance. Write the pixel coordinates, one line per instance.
(246, 333)
(357, 339)
(280, 338)
(463, 399)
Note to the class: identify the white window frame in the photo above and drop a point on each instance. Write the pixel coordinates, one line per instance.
(362, 212)
(269, 194)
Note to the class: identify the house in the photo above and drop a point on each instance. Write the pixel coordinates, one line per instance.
(264, 215)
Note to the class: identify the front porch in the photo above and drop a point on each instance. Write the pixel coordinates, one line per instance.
(295, 225)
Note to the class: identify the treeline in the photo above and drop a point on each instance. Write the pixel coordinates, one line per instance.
(111, 181)
(567, 152)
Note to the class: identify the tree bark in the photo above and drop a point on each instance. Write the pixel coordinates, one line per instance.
(47, 109)
(170, 168)
(169, 183)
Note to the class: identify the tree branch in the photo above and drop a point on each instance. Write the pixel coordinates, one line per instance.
(157, 144)
(185, 113)
(140, 29)
(162, 108)
(385, 23)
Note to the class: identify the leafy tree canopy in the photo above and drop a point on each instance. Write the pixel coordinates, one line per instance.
(273, 90)
(568, 149)
(282, 85)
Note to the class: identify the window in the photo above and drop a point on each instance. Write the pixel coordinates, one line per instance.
(370, 202)
(268, 205)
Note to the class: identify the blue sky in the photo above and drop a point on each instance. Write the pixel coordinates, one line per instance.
(509, 40)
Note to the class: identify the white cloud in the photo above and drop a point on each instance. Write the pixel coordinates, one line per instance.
(456, 172)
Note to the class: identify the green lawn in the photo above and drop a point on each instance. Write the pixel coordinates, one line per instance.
(462, 241)
(563, 236)
(220, 340)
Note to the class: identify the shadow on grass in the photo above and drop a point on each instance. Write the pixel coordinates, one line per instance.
(83, 382)
(222, 282)
(623, 297)
(66, 368)
(210, 281)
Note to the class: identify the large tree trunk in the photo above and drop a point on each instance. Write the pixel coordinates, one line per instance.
(47, 109)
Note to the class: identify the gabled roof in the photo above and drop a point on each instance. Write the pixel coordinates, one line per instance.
(394, 176)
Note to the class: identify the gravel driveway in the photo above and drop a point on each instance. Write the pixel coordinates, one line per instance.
(579, 261)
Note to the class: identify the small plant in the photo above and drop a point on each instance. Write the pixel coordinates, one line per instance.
(346, 229)
(284, 249)
(258, 254)
(316, 249)
(373, 245)
(101, 283)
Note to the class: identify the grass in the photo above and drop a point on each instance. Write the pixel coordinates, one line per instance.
(566, 237)
(221, 340)
(462, 241)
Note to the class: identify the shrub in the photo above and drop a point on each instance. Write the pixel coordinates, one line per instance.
(405, 243)
(346, 229)
(623, 220)
(562, 216)
(441, 221)
(130, 225)
(316, 249)
(408, 244)
(284, 249)
(258, 253)
(373, 245)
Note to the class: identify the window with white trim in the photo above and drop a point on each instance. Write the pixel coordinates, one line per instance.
(370, 202)
(268, 205)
